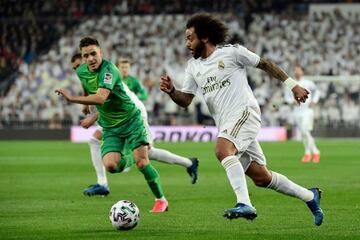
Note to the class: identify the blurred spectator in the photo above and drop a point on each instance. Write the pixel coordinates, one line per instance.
(328, 43)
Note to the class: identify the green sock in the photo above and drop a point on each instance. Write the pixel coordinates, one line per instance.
(153, 179)
(125, 161)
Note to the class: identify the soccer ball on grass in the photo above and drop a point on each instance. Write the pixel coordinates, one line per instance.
(124, 215)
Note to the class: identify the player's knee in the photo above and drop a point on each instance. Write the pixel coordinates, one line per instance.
(111, 168)
(221, 154)
(142, 162)
(97, 135)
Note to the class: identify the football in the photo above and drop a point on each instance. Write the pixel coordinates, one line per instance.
(124, 215)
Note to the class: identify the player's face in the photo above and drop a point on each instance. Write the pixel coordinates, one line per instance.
(124, 69)
(298, 72)
(76, 63)
(193, 43)
(92, 56)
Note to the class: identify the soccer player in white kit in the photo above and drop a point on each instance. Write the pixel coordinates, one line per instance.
(304, 116)
(217, 74)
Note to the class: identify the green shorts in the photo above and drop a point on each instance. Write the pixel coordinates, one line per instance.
(124, 138)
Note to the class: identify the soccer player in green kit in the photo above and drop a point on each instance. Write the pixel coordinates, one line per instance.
(120, 118)
(132, 82)
(154, 153)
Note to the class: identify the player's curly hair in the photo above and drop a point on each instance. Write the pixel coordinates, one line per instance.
(208, 26)
(87, 41)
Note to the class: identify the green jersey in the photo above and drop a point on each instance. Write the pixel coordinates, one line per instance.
(136, 87)
(118, 107)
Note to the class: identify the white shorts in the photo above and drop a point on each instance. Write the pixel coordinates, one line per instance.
(242, 131)
(147, 128)
(304, 120)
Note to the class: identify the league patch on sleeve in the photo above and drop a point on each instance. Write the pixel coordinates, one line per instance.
(108, 78)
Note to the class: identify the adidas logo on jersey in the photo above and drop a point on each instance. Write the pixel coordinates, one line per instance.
(198, 74)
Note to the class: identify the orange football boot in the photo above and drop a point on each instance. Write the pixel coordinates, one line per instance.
(161, 205)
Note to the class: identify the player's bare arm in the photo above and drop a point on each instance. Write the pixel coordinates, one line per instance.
(180, 98)
(86, 108)
(300, 93)
(89, 121)
(272, 69)
(93, 99)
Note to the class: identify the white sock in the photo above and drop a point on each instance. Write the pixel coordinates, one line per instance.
(165, 156)
(311, 147)
(282, 184)
(97, 161)
(312, 144)
(236, 176)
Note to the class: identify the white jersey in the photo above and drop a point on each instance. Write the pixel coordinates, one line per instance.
(137, 102)
(220, 79)
(313, 96)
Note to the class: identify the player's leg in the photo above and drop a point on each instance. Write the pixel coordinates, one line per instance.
(137, 141)
(113, 151)
(226, 154)
(152, 177)
(101, 187)
(309, 126)
(262, 177)
(162, 155)
(311, 148)
(301, 127)
(233, 140)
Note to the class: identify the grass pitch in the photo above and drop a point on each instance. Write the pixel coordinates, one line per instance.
(42, 182)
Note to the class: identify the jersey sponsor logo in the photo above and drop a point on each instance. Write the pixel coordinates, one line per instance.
(212, 84)
(108, 78)
(221, 65)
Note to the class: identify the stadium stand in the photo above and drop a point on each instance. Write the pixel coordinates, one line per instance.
(325, 44)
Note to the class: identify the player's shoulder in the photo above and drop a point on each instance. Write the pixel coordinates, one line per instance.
(82, 69)
(230, 50)
(229, 47)
(108, 67)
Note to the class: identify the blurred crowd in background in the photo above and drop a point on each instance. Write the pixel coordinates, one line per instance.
(38, 39)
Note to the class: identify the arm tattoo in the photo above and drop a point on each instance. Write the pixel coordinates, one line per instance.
(272, 69)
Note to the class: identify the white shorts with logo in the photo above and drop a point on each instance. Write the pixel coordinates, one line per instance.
(242, 131)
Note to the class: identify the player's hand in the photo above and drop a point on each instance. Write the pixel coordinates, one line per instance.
(86, 109)
(300, 94)
(166, 84)
(64, 93)
(86, 122)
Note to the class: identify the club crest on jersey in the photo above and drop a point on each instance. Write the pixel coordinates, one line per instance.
(221, 65)
(108, 78)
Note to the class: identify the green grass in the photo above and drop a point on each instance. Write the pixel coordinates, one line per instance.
(42, 182)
